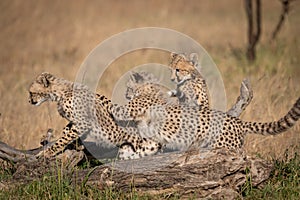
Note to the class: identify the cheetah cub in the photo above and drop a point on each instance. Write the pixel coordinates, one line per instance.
(88, 113)
(183, 126)
(143, 91)
(191, 87)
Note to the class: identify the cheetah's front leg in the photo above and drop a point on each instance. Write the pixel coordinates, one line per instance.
(69, 135)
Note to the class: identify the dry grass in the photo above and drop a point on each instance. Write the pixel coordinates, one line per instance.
(56, 36)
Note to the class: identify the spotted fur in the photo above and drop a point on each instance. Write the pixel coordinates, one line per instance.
(143, 91)
(87, 113)
(191, 87)
(181, 126)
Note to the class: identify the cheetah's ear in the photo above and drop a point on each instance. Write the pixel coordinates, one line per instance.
(45, 79)
(194, 59)
(173, 55)
(136, 77)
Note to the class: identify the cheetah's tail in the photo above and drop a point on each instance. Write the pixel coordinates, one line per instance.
(273, 128)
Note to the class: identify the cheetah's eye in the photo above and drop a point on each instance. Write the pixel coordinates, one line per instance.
(177, 70)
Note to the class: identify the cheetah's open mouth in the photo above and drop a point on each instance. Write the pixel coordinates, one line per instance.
(37, 103)
(36, 99)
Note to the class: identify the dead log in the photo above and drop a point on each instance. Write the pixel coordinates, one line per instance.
(209, 174)
(201, 174)
(15, 155)
(246, 96)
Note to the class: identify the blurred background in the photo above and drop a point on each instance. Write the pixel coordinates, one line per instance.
(56, 36)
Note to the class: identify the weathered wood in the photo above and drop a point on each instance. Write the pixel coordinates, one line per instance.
(198, 174)
(246, 96)
(9, 153)
(210, 174)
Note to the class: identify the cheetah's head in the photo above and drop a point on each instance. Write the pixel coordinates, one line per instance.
(183, 68)
(40, 90)
(136, 80)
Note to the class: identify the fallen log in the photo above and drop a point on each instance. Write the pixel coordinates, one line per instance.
(197, 173)
(15, 155)
(201, 174)
(209, 174)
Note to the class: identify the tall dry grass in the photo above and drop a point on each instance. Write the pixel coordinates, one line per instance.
(56, 36)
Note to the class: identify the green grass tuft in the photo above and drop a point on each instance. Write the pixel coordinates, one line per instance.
(284, 182)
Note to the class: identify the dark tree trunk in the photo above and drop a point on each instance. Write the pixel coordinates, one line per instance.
(254, 29)
(285, 10)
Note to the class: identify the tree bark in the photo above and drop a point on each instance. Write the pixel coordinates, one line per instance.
(209, 174)
(198, 174)
(246, 96)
